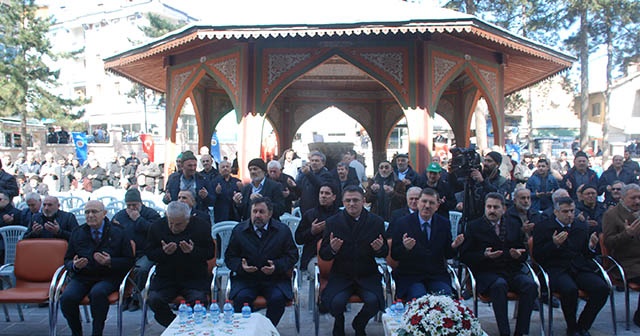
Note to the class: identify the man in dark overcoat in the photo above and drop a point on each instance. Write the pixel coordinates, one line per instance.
(352, 239)
(494, 249)
(261, 255)
(180, 245)
(261, 186)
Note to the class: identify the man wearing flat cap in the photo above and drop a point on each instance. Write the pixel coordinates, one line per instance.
(433, 179)
(189, 179)
(579, 174)
(260, 186)
(405, 173)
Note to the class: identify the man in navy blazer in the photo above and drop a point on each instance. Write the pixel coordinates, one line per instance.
(495, 251)
(189, 179)
(51, 222)
(261, 186)
(421, 245)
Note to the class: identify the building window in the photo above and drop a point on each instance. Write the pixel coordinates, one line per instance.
(595, 110)
(636, 105)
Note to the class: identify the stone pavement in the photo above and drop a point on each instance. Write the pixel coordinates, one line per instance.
(36, 321)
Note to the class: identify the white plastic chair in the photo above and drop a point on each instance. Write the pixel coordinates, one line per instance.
(454, 218)
(296, 212)
(149, 203)
(223, 230)
(71, 202)
(106, 200)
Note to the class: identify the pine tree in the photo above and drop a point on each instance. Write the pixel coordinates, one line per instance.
(26, 80)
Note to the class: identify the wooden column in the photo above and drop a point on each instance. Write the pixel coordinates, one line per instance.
(420, 137)
(249, 142)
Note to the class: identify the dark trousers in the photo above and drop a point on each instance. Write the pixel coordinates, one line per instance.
(159, 300)
(527, 291)
(98, 293)
(567, 284)
(141, 271)
(276, 300)
(419, 289)
(338, 305)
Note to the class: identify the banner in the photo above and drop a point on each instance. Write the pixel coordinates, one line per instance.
(215, 147)
(80, 140)
(148, 146)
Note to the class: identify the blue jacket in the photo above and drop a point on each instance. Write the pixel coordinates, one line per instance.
(534, 183)
(224, 208)
(173, 188)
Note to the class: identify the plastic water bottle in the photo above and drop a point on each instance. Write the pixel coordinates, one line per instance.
(214, 312)
(400, 307)
(198, 312)
(183, 312)
(190, 311)
(392, 308)
(228, 312)
(246, 311)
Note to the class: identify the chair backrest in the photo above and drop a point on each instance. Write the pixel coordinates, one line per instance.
(324, 266)
(38, 259)
(117, 204)
(71, 202)
(530, 246)
(454, 218)
(106, 200)
(292, 222)
(223, 229)
(11, 234)
(297, 212)
(149, 203)
(22, 205)
(390, 261)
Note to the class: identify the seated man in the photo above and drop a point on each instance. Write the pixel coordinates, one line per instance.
(563, 246)
(621, 231)
(353, 238)
(188, 198)
(136, 220)
(51, 222)
(34, 203)
(421, 244)
(413, 196)
(98, 257)
(260, 255)
(180, 245)
(494, 249)
(313, 222)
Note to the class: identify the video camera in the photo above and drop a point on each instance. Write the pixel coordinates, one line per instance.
(463, 160)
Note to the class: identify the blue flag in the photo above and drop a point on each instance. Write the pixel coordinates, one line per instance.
(80, 140)
(215, 147)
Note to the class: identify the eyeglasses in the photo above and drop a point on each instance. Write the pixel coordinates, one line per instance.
(384, 167)
(616, 189)
(92, 211)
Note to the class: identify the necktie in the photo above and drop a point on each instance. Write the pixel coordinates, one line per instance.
(261, 232)
(501, 231)
(426, 226)
(96, 236)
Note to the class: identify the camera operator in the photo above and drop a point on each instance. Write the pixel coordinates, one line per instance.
(483, 182)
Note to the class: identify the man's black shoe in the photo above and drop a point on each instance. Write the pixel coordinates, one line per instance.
(338, 325)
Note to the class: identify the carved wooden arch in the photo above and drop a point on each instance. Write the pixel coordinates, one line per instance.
(481, 91)
(193, 76)
(305, 59)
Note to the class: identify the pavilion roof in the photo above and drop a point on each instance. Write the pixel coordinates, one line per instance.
(284, 19)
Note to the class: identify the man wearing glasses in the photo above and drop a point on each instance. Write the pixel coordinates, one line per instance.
(615, 172)
(353, 238)
(98, 257)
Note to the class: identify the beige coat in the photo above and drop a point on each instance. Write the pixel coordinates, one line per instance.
(623, 247)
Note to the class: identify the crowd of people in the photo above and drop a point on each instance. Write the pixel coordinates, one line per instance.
(347, 218)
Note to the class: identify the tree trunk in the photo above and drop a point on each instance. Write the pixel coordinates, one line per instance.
(583, 46)
(606, 147)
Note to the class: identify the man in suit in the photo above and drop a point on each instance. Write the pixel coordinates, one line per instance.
(189, 179)
(495, 251)
(309, 179)
(344, 176)
(180, 245)
(413, 196)
(621, 231)
(260, 186)
(51, 222)
(352, 240)
(564, 248)
(34, 204)
(260, 255)
(289, 187)
(580, 174)
(421, 245)
(313, 222)
(98, 257)
(188, 198)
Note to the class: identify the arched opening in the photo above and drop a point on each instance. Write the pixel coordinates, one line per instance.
(332, 132)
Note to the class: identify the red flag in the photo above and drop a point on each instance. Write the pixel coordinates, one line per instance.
(148, 147)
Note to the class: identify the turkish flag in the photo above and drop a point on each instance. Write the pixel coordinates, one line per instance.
(148, 146)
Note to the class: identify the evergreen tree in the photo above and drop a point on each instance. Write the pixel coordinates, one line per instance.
(25, 79)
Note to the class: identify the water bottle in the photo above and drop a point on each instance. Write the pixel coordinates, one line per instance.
(198, 311)
(214, 312)
(190, 311)
(400, 307)
(246, 311)
(392, 308)
(228, 312)
(183, 312)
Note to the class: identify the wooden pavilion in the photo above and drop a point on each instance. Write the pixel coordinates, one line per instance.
(376, 60)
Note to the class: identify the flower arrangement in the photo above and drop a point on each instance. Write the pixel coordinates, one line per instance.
(440, 315)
